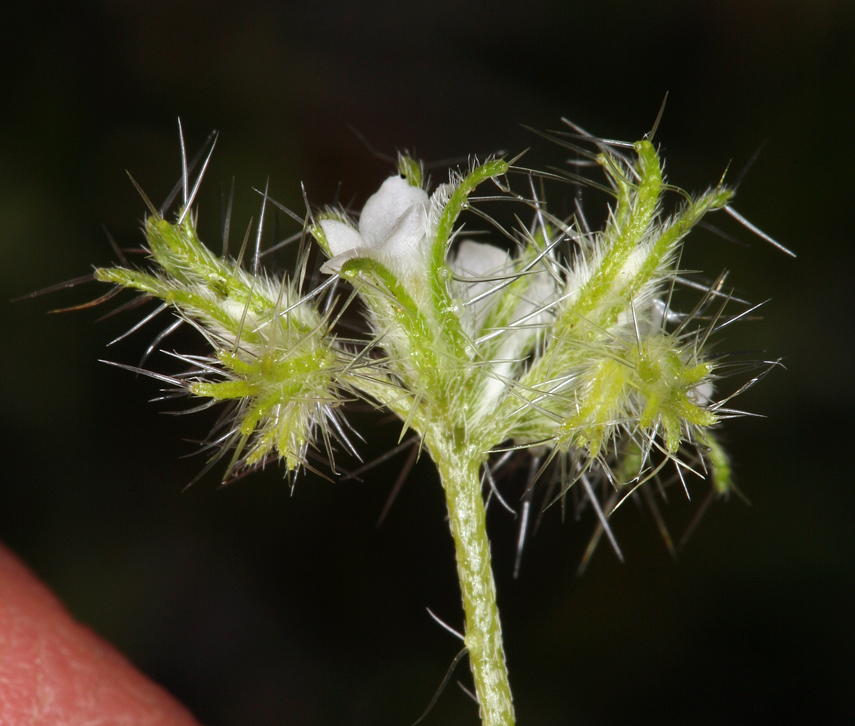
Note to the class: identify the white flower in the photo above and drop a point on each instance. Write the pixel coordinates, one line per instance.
(484, 275)
(484, 267)
(480, 267)
(392, 229)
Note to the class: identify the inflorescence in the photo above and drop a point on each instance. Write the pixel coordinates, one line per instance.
(567, 344)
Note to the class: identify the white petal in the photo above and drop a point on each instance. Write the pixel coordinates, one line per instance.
(341, 237)
(476, 259)
(702, 394)
(405, 242)
(386, 206)
(333, 265)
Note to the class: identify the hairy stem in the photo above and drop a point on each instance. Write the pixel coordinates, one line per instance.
(459, 470)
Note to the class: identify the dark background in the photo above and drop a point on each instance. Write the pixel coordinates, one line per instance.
(257, 606)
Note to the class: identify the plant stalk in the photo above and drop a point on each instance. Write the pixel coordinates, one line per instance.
(460, 473)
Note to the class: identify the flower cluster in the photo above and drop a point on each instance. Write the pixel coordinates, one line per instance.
(562, 344)
(567, 344)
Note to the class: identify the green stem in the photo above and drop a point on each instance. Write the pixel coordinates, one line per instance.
(460, 473)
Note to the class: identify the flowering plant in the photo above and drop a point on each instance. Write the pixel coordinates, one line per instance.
(568, 346)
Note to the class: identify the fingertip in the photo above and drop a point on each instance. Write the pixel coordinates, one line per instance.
(54, 670)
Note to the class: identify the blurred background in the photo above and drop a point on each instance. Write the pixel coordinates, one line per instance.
(253, 604)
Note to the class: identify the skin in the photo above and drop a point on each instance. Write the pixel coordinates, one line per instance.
(54, 670)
